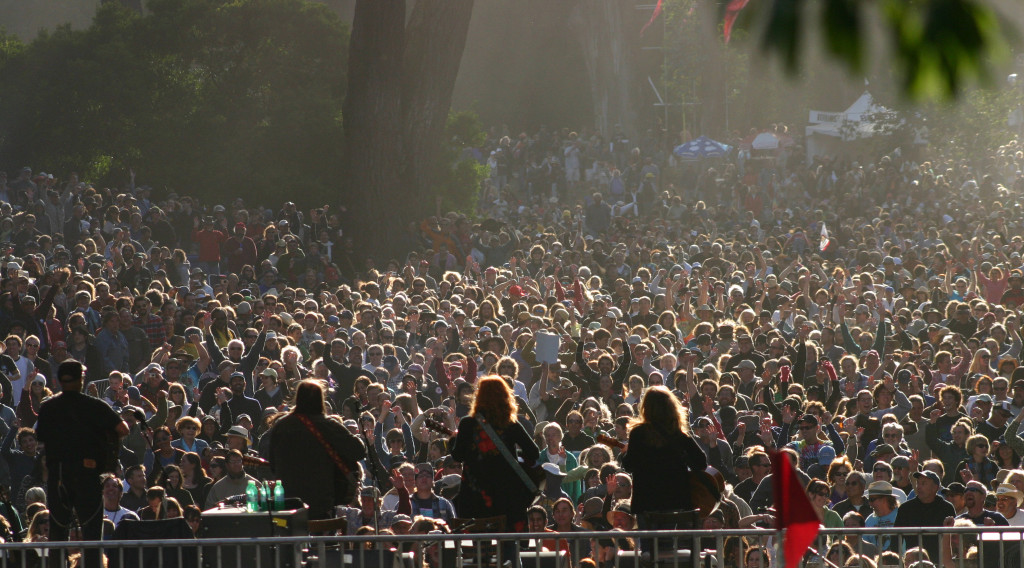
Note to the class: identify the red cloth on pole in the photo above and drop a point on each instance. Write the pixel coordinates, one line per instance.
(793, 511)
(731, 12)
(654, 16)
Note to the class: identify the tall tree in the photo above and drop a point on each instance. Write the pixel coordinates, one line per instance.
(372, 116)
(401, 79)
(435, 40)
(610, 54)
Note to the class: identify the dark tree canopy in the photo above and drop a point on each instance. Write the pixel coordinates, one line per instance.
(936, 46)
(209, 97)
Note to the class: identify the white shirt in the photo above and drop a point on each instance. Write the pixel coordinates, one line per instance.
(1017, 520)
(25, 367)
(118, 515)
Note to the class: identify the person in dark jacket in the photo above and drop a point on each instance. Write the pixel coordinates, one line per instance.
(660, 449)
(299, 458)
(238, 404)
(490, 485)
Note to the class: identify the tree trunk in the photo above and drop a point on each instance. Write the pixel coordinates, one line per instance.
(400, 83)
(372, 115)
(435, 39)
(610, 56)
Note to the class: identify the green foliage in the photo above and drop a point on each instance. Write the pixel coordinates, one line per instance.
(937, 46)
(459, 185)
(973, 127)
(210, 97)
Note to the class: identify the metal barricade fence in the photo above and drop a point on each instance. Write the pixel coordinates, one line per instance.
(969, 547)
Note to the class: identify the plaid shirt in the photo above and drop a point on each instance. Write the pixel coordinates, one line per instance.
(155, 330)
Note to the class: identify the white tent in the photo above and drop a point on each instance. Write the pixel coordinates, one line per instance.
(830, 133)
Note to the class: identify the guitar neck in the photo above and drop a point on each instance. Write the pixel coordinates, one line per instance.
(436, 426)
(610, 442)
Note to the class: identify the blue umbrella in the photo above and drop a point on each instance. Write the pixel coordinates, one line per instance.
(702, 147)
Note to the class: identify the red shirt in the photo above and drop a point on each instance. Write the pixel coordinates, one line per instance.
(209, 244)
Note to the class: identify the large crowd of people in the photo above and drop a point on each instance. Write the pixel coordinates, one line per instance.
(622, 319)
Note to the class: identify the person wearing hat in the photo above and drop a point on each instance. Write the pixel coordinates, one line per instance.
(592, 517)
(1014, 294)
(718, 450)
(1008, 502)
(808, 444)
(423, 499)
(954, 493)
(975, 494)
(926, 509)
(237, 438)
(882, 471)
(367, 514)
(210, 388)
(995, 426)
(963, 322)
(883, 514)
(621, 516)
(747, 371)
(81, 434)
(901, 479)
(271, 393)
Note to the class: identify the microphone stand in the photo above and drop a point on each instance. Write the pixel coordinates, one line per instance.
(373, 476)
(141, 417)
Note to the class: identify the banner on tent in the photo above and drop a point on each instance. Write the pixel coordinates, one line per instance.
(820, 117)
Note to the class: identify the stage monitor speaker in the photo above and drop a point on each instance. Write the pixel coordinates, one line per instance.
(236, 523)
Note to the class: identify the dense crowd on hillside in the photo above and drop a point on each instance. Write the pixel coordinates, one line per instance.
(862, 316)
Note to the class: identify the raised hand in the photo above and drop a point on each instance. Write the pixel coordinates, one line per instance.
(397, 481)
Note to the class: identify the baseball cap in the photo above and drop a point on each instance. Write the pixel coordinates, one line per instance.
(268, 372)
(882, 450)
(826, 454)
(809, 419)
(929, 474)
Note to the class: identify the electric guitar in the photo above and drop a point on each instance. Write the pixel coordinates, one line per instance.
(535, 473)
(704, 494)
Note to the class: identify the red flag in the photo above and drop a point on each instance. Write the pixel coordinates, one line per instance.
(793, 511)
(731, 11)
(654, 16)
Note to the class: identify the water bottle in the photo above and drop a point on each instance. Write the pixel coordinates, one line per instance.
(278, 496)
(261, 499)
(250, 497)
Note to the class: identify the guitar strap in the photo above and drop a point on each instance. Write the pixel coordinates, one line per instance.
(320, 438)
(530, 485)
